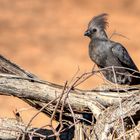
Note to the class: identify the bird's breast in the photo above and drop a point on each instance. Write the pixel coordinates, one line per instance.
(98, 54)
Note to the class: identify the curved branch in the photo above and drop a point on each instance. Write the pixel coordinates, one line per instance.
(37, 90)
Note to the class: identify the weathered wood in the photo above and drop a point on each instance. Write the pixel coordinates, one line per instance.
(80, 100)
(111, 118)
(8, 67)
(11, 129)
(106, 103)
(22, 84)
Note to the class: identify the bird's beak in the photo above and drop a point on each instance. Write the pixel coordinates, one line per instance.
(87, 33)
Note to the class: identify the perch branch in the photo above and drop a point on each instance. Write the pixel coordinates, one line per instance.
(45, 92)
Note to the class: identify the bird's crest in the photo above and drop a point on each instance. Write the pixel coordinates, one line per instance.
(99, 21)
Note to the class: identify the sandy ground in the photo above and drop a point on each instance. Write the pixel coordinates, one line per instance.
(46, 38)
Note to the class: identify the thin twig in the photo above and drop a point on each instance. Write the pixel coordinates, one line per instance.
(115, 33)
(39, 112)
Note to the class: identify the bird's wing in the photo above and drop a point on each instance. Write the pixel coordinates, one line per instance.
(122, 55)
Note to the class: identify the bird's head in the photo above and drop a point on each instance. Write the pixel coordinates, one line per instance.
(97, 27)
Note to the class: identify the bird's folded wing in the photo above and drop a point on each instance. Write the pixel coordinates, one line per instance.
(123, 56)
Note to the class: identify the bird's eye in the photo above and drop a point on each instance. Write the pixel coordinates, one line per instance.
(94, 30)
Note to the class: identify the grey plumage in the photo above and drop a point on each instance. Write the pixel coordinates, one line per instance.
(107, 53)
(99, 21)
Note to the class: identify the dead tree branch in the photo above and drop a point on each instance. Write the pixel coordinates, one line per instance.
(11, 129)
(103, 102)
(80, 100)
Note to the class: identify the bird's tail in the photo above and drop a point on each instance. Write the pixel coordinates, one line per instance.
(136, 78)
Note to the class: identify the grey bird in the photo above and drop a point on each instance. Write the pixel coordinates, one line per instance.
(110, 56)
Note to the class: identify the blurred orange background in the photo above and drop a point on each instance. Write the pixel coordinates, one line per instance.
(46, 38)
